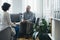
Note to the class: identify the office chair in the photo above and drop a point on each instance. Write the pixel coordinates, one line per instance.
(36, 32)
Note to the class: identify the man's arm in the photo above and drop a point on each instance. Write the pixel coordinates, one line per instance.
(31, 17)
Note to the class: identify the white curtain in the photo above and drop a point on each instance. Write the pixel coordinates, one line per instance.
(36, 6)
(0, 5)
(32, 3)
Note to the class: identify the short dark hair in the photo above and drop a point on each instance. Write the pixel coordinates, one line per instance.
(5, 6)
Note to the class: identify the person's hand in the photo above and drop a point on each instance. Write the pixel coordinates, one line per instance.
(13, 24)
(24, 21)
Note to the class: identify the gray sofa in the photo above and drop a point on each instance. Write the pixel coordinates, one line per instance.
(5, 34)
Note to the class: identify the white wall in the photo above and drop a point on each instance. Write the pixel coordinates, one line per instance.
(39, 12)
(36, 6)
(0, 5)
(47, 10)
(39, 7)
(56, 8)
(17, 6)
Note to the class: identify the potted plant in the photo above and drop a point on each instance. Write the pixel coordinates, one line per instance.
(43, 35)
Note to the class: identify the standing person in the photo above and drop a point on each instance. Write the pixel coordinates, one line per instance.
(6, 20)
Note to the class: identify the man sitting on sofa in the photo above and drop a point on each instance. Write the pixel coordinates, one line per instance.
(28, 15)
(28, 19)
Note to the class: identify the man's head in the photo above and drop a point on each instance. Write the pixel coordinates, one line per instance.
(28, 8)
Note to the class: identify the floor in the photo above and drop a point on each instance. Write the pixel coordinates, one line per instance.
(27, 39)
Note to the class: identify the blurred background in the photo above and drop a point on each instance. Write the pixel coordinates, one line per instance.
(43, 9)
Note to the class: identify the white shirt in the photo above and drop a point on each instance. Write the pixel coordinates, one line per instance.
(6, 21)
